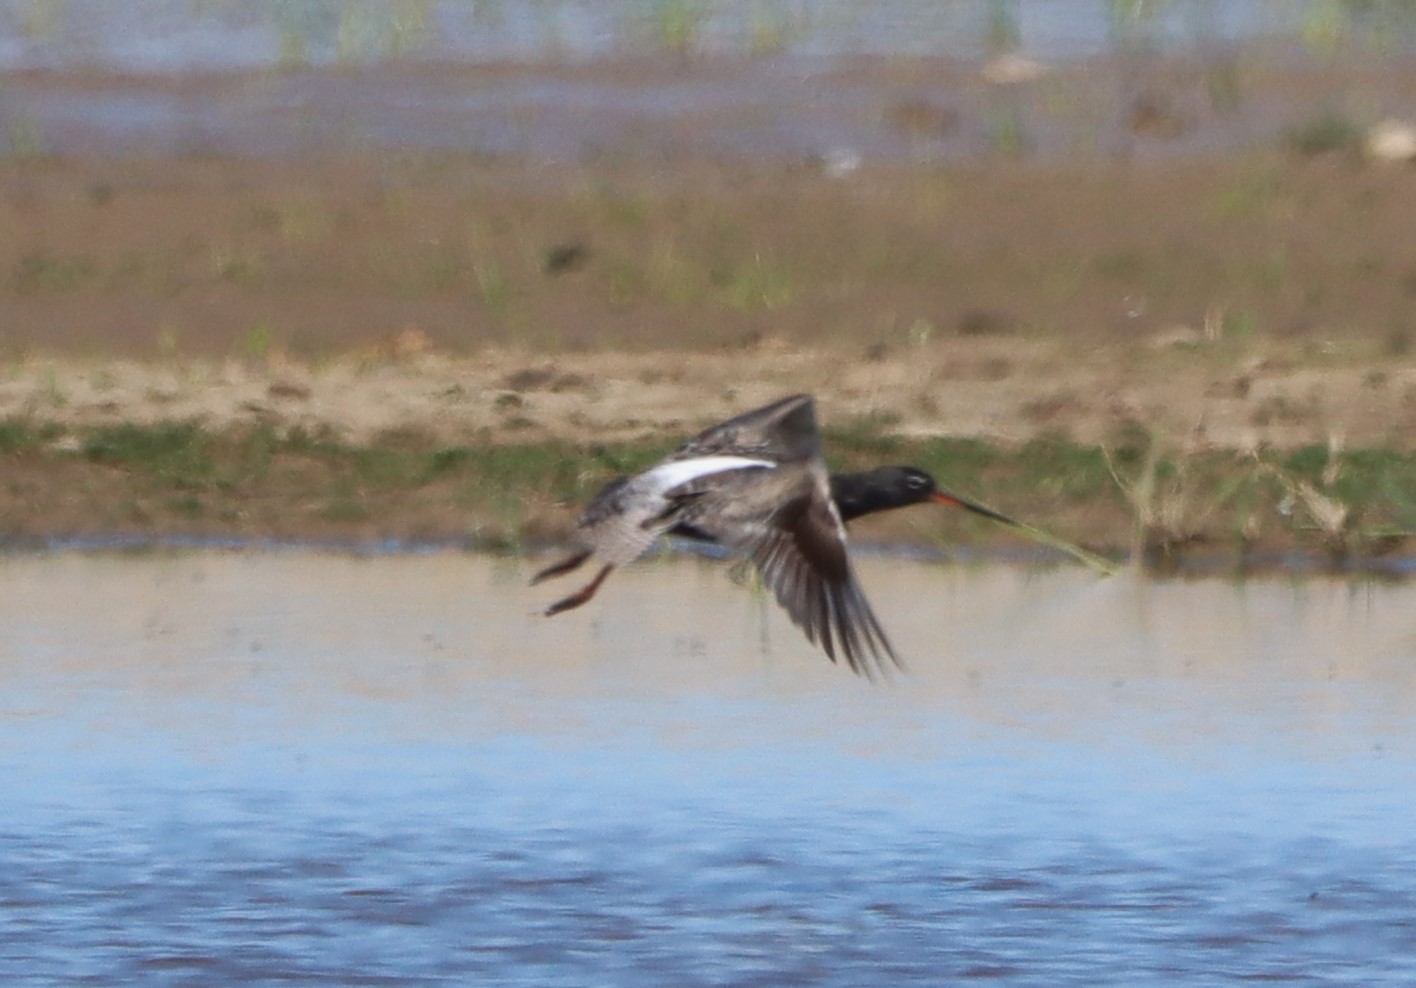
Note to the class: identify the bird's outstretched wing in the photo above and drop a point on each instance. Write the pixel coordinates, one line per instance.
(799, 547)
(802, 559)
(787, 525)
(784, 431)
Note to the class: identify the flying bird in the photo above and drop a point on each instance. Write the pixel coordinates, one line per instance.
(757, 485)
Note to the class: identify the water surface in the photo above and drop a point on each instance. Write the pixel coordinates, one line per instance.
(194, 36)
(821, 80)
(291, 767)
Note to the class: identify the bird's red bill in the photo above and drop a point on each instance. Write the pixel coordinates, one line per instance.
(978, 509)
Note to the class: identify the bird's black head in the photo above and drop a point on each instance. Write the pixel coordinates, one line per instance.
(880, 489)
(884, 488)
(902, 486)
(911, 484)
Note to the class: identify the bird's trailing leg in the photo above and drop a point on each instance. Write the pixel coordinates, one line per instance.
(582, 595)
(561, 568)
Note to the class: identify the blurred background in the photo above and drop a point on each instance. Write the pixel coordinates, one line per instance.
(301, 299)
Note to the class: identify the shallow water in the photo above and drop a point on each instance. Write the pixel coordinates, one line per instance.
(224, 35)
(822, 81)
(239, 767)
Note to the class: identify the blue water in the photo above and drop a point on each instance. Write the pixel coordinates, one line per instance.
(276, 768)
(567, 80)
(224, 35)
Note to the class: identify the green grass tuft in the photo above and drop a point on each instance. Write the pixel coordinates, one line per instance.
(1325, 133)
(1142, 493)
(177, 453)
(20, 435)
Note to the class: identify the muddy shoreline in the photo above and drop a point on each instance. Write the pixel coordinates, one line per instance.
(500, 450)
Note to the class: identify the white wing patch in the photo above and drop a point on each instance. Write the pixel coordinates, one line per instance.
(667, 476)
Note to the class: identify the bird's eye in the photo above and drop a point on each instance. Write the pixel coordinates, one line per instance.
(916, 482)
